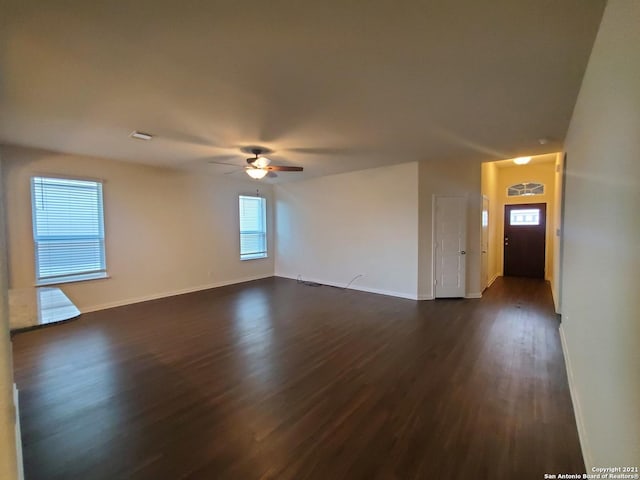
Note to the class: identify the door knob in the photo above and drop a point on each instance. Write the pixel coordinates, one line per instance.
(463, 252)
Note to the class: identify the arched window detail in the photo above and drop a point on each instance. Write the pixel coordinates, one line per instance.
(525, 189)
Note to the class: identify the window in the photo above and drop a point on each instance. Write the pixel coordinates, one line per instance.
(253, 228)
(525, 189)
(68, 230)
(529, 216)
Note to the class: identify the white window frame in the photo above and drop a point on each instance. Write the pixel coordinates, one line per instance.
(77, 276)
(264, 231)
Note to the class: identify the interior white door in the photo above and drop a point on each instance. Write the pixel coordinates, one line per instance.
(485, 242)
(450, 227)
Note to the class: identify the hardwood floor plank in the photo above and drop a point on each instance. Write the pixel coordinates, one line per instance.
(274, 379)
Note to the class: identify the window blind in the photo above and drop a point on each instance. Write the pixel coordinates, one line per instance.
(253, 228)
(68, 229)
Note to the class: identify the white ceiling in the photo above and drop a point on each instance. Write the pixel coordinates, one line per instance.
(330, 85)
(535, 160)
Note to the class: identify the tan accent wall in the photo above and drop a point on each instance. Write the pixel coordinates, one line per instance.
(539, 173)
(490, 190)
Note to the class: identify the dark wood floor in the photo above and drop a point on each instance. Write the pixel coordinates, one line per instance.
(274, 379)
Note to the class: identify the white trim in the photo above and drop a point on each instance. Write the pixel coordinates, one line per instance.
(155, 296)
(18, 433)
(556, 306)
(254, 256)
(391, 293)
(482, 251)
(434, 202)
(577, 410)
(64, 176)
(78, 277)
(473, 295)
(263, 208)
(495, 277)
(425, 297)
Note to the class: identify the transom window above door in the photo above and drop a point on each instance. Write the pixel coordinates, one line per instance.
(525, 189)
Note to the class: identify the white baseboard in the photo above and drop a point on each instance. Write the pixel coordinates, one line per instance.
(391, 293)
(155, 296)
(556, 303)
(425, 297)
(473, 295)
(577, 410)
(495, 277)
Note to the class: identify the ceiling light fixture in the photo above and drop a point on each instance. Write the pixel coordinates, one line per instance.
(256, 173)
(521, 160)
(140, 135)
(261, 162)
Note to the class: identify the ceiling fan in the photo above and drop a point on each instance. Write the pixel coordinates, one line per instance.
(258, 166)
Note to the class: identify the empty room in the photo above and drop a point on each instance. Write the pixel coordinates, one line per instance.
(319, 240)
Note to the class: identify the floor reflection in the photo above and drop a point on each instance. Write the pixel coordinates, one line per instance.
(253, 332)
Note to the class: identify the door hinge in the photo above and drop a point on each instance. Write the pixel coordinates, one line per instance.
(435, 282)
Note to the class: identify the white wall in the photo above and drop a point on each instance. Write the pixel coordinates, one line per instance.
(166, 231)
(333, 228)
(8, 469)
(450, 178)
(601, 264)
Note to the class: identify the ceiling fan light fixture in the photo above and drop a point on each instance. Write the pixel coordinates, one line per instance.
(256, 173)
(521, 160)
(261, 162)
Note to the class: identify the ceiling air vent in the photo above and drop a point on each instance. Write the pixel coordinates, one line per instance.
(140, 135)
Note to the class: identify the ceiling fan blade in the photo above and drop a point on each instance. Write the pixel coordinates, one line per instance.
(213, 162)
(282, 168)
(320, 150)
(225, 160)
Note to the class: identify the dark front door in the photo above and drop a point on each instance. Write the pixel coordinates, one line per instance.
(524, 239)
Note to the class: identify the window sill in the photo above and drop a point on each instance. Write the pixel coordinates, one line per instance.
(74, 279)
(254, 257)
